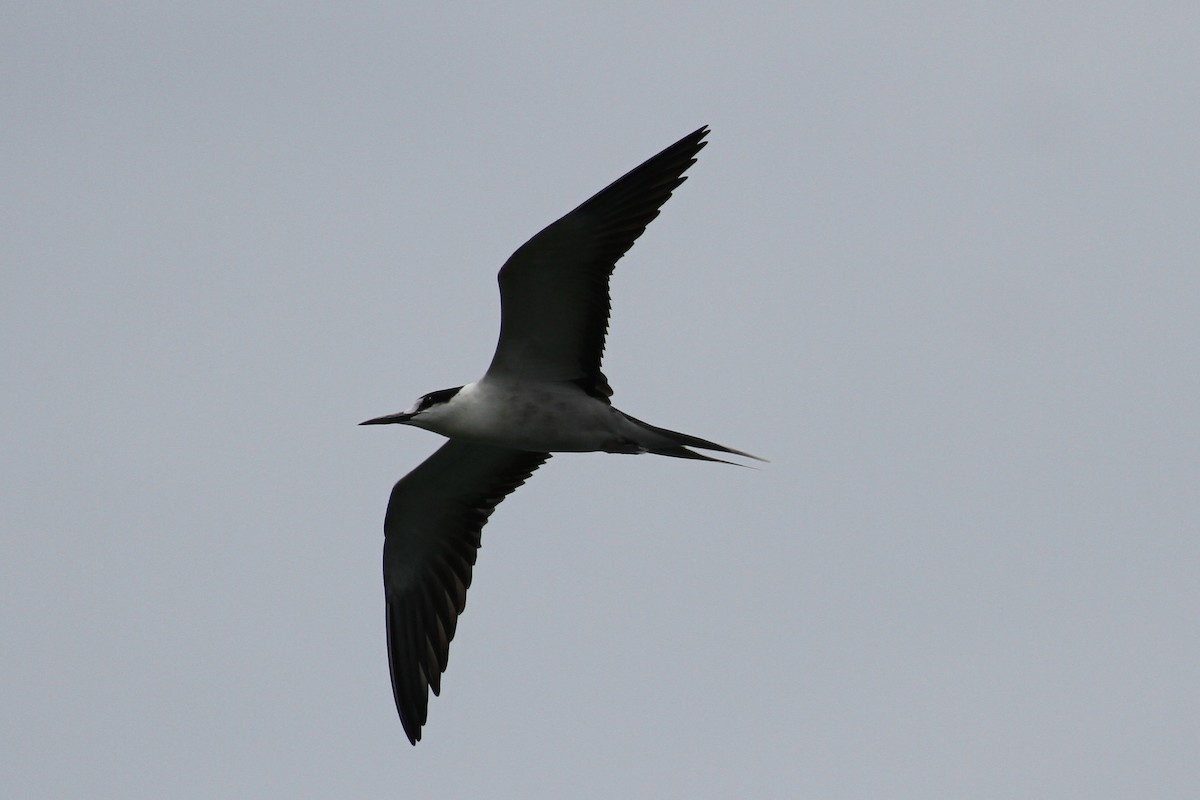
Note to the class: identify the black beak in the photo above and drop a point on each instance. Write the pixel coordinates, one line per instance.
(389, 419)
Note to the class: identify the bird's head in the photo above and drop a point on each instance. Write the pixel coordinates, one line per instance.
(427, 409)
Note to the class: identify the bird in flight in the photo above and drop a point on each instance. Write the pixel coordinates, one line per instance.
(543, 393)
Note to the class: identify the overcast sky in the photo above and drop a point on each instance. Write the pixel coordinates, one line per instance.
(938, 263)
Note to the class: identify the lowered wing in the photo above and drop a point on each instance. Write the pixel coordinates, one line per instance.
(431, 536)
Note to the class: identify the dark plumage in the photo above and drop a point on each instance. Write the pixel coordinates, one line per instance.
(539, 394)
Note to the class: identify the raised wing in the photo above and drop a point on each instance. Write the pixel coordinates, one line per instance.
(431, 536)
(554, 300)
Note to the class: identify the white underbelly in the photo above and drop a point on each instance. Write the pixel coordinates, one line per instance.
(551, 420)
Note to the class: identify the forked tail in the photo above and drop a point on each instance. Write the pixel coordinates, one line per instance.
(676, 445)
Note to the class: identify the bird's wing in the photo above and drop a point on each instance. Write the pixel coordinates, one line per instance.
(554, 289)
(431, 535)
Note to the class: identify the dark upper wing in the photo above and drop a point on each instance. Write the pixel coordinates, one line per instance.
(554, 290)
(431, 535)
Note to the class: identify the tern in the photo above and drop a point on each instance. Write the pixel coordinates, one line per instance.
(543, 393)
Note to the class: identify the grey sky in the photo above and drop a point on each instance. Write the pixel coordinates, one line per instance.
(938, 264)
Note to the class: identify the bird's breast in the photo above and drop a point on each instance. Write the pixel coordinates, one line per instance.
(544, 419)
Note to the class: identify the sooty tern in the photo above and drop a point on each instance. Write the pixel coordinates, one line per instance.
(543, 393)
